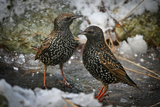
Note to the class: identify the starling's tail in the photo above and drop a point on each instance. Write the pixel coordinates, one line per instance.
(131, 83)
(35, 48)
(123, 77)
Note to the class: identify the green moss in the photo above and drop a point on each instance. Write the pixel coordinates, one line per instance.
(146, 25)
(30, 29)
(3, 101)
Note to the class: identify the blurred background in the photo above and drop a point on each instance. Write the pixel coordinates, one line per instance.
(131, 29)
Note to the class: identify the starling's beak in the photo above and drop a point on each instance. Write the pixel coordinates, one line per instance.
(82, 33)
(76, 16)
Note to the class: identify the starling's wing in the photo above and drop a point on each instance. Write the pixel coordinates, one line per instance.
(109, 61)
(46, 43)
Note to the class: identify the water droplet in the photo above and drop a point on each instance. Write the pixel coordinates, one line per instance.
(153, 58)
(12, 59)
(135, 55)
(141, 60)
(72, 57)
(69, 62)
(150, 85)
(109, 91)
(94, 90)
(79, 50)
(121, 52)
(131, 97)
(50, 75)
(15, 68)
(32, 74)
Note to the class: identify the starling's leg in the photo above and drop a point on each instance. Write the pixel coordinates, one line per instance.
(104, 91)
(44, 83)
(64, 80)
(99, 92)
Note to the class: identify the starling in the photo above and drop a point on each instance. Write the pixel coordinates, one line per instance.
(59, 46)
(100, 61)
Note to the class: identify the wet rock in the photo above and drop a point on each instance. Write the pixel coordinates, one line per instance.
(123, 100)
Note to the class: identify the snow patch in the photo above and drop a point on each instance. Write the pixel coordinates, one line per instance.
(134, 46)
(19, 97)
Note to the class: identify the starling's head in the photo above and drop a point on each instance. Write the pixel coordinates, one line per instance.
(93, 33)
(65, 20)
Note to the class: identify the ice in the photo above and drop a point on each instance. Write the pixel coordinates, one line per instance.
(137, 44)
(19, 97)
(86, 99)
(125, 48)
(134, 46)
(20, 59)
(16, 96)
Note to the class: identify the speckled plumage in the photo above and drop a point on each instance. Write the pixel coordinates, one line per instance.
(100, 61)
(59, 46)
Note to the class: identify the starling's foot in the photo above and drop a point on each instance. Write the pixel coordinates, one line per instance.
(46, 87)
(65, 83)
(107, 94)
(101, 96)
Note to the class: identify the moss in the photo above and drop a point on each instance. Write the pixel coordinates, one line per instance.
(3, 101)
(146, 25)
(31, 28)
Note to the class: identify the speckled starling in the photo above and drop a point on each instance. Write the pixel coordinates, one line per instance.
(100, 61)
(59, 46)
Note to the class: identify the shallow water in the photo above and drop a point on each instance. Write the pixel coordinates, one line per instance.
(19, 69)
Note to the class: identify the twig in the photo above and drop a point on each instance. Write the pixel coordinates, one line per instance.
(117, 40)
(68, 101)
(33, 71)
(50, 18)
(138, 65)
(76, 61)
(79, 39)
(88, 21)
(142, 73)
(155, 104)
(130, 11)
(119, 24)
(109, 34)
(154, 41)
(104, 10)
(40, 33)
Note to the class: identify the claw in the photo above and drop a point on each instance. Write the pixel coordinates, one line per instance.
(46, 87)
(65, 83)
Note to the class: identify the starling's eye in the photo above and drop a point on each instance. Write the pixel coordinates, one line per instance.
(90, 31)
(68, 18)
